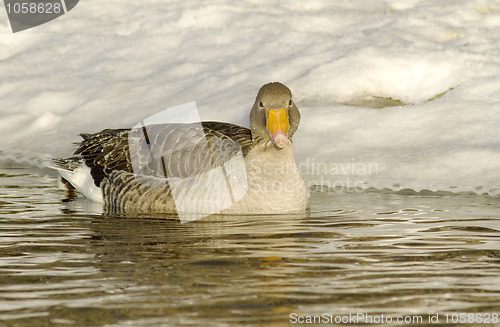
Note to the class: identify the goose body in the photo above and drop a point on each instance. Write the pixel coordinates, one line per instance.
(210, 167)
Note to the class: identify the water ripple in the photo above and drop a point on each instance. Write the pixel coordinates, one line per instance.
(62, 263)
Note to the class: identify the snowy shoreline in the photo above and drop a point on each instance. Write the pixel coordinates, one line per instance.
(108, 64)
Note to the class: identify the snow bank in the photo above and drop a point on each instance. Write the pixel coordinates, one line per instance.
(110, 64)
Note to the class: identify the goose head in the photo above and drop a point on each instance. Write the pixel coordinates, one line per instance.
(274, 116)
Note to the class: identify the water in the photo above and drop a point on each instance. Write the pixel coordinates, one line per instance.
(408, 255)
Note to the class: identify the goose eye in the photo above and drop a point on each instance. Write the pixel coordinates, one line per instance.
(261, 104)
(290, 102)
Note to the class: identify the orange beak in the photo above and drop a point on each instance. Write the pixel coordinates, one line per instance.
(278, 126)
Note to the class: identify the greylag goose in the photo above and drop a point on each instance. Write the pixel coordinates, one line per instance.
(257, 165)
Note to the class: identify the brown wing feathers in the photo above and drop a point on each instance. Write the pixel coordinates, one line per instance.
(104, 152)
(108, 150)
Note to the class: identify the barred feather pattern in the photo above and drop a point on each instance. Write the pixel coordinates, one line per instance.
(127, 192)
(182, 146)
(132, 170)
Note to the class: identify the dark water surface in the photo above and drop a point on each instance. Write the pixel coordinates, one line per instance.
(372, 254)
